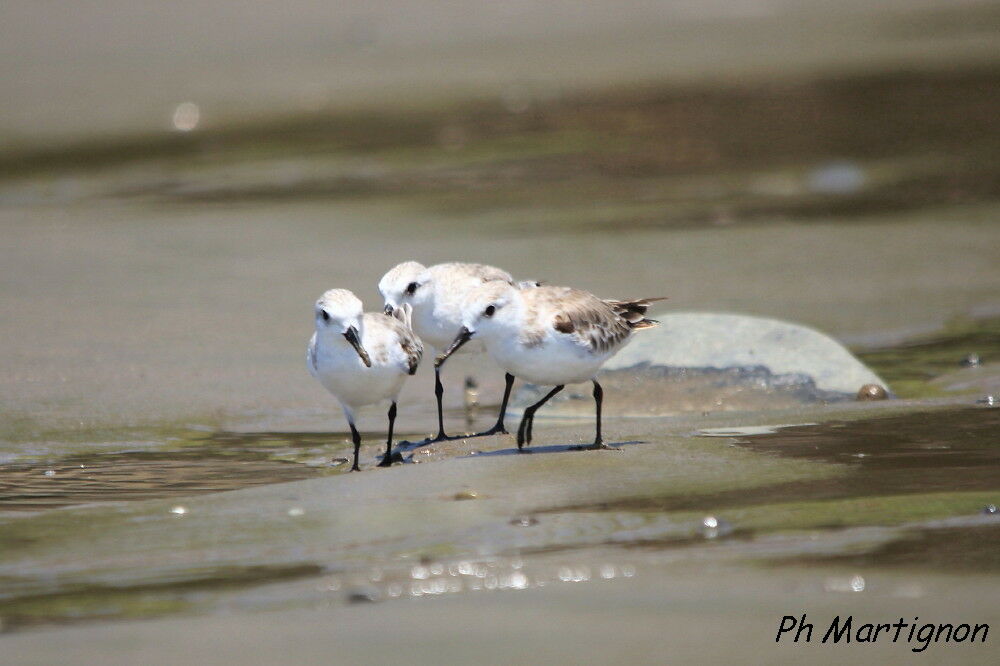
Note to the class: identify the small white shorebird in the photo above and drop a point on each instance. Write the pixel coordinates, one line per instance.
(436, 295)
(362, 357)
(549, 335)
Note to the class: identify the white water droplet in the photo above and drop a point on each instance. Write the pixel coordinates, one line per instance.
(186, 117)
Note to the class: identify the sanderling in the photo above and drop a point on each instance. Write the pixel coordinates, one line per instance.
(362, 357)
(549, 335)
(436, 294)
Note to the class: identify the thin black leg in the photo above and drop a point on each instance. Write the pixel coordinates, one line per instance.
(387, 460)
(598, 437)
(598, 399)
(439, 393)
(524, 430)
(356, 436)
(527, 432)
(499, 428)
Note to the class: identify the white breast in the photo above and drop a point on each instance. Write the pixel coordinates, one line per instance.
(339, 369)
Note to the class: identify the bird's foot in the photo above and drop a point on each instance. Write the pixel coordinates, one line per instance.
(440, 437)
(596, 446)
(498, 429)
(407, 446)
(389, 459)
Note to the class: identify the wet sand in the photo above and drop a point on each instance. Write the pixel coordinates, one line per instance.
(642, 620)
(157, 292)
(612, 539)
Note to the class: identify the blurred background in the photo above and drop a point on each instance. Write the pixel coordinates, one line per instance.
(179, 181)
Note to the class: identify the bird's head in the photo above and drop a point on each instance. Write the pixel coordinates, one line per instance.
(404, 283)
(488, 311)
(338, 312)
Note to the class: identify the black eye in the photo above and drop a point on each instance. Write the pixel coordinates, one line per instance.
(326, 316)
(411, 288)
(489, 311)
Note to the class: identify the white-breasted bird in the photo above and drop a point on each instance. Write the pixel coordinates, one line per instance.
(362, 357)
(436, 295)
(549, 335)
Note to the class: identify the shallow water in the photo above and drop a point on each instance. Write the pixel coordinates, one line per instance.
(865, 492)
(910, 366)
(945, 450)
(848, 496)
(116, 477)
(159, 286)
(648, 158)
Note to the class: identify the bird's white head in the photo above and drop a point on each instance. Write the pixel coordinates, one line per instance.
(488, 312)
(407, 282)
(338, 312)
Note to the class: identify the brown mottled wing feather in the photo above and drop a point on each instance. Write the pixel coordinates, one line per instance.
(601, 325)
(408, 340)
(414, 351)
(634, 311)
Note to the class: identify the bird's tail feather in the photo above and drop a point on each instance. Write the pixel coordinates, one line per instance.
(634, 312)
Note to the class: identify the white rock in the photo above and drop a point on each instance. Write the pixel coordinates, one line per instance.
(722, 341)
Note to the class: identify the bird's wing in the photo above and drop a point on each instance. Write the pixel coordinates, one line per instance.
(594, 324)
(413, 349)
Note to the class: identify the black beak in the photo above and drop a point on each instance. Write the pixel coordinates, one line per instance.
(388, 309)
(352, 336)
(463, 336)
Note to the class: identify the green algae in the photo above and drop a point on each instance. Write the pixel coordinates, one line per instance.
(874, 510)
(75, 602)
(968, 549)
(910, 366)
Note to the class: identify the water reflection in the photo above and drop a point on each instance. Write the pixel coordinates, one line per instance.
(488, 574)
(138, 475)
(949, 450)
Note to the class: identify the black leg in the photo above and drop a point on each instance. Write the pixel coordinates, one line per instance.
(527, 431)
(439, 393)
(598, 399)
(356, 436)
(598, 437)
(387, 460)
(499, 428)
(524, 430)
